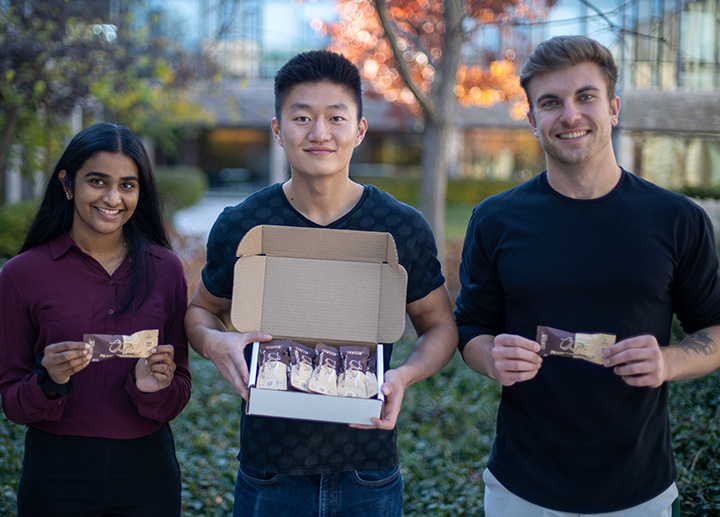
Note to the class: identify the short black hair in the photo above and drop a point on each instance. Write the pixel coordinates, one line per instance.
(318, 66)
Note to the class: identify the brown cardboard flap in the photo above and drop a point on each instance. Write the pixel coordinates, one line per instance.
(319, 243)
(286, 287)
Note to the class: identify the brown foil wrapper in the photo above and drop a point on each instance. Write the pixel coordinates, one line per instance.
(302, 359)
(273, 369)
(352, 382)
(107, 346)
(589, 347)
(324, 377)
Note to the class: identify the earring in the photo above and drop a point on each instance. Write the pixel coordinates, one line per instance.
(67, 195)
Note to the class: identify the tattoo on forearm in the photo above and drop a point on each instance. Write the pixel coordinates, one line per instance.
(700, 343)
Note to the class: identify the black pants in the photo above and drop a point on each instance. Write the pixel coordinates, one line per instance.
(79, 476)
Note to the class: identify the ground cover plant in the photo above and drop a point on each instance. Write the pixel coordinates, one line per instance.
(445, 435)
(446, 431)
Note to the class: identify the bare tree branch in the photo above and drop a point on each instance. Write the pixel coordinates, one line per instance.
(428, 106)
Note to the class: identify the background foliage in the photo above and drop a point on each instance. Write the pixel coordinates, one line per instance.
(180, 186)
(445, 436)
(459, 190)
(14, 224)
(446, 428)
(59, 57)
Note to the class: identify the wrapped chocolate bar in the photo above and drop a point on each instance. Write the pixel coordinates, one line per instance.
(273, 368)
(589, 347)
(107, 346)
(371, 375)
(324, 377)
(301, 365)
(352, 382)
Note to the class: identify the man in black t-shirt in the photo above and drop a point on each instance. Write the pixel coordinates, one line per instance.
(290, 467)
(585, 247)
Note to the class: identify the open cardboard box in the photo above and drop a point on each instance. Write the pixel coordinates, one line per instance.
(310, 285)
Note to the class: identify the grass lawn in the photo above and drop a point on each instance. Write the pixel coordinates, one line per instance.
(457, 216)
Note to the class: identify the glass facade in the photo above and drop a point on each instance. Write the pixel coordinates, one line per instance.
(657, 43)
(671, 46)
(252, 38)
(667, 46)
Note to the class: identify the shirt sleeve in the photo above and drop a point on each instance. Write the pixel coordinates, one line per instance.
(420, 260)
(479, 307)
(166, 404)
(23, 401)
(696, 285)
(217, 275)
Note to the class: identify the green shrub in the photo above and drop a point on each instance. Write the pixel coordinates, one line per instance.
(406, 190)
(446, 431)
(459, 190)
(701, 192)
(473, 191)
(695, 417)
(15, 221)
(180, 186)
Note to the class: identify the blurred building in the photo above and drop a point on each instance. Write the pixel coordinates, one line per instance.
(668, 52)
(251, 38)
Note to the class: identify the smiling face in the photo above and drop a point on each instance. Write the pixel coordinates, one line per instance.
(319, 129)
(573, 117)
(105, 193)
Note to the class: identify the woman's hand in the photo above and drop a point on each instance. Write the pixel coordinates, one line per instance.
(156, 372)
(61, 360)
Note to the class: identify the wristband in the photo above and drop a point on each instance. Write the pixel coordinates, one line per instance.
(46, 383)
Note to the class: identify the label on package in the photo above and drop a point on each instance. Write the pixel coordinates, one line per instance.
(589, 347)
(107, 346)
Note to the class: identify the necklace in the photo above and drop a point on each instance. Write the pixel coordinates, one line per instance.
(117, 264)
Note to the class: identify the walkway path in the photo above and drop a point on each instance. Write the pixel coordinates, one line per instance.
(197, 220)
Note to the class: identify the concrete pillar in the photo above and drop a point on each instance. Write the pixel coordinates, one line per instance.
(455, 152)
(625, 151)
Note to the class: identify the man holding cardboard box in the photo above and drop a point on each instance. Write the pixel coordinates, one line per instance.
(318, 467)
(569, 285)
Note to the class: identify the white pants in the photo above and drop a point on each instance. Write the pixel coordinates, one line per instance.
(500, 502)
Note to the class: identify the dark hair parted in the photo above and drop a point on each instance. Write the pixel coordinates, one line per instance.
(566, 51)
(317, 66)
(147, 224)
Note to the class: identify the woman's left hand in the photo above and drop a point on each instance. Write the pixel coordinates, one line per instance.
(156, 372)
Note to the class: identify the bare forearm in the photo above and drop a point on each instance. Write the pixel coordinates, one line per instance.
(697, 355)
(200, 324)
(432, 351)
(477, 354)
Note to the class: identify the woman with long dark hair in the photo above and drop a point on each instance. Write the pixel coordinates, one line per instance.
(96, 260)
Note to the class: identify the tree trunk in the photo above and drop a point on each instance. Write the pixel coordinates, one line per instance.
(11, 116)
(433, 184)
(436, 137)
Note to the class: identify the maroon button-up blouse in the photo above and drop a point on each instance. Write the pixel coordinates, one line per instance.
(55, 292)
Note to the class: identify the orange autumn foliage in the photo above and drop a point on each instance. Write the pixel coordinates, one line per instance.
(419, 28)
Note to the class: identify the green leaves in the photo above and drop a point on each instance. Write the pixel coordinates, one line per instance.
(57, 55)
(446, 431)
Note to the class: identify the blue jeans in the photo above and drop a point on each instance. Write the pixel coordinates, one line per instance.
(362, 492)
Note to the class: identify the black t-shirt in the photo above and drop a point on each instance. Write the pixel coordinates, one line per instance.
(576, 438)
(301, 447)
